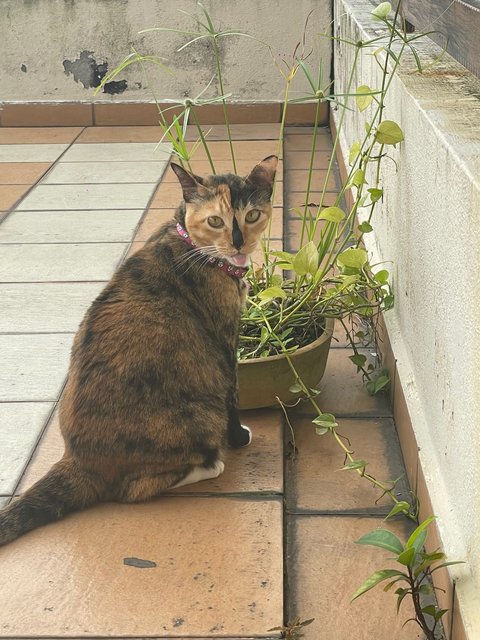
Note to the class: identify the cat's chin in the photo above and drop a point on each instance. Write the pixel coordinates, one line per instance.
(239, 259)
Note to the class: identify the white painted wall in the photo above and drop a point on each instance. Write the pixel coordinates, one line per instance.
(38, 35)
(429, 227)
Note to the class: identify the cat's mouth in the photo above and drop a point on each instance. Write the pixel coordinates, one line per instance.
(239, 259)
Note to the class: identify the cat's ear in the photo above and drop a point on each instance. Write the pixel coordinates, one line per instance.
(191, 184)
(263, 174)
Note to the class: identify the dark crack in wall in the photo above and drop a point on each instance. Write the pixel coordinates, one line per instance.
(90, 73)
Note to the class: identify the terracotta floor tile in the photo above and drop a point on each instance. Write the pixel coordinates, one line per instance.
(326, 567)
(68, 114)
(203, 168)
(301, 160)
(22, 172)
(220, 558)
(296, 199)
(151, 222)
(314, 482)
(258, 467)
(343, 392)
(9, 194)
(38, 135)
(297, 180)
(120, 134)
(300, 140)
(252, 151)
(266, 131)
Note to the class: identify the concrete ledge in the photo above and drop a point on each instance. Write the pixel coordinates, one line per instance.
(71, 114)
(426, 233)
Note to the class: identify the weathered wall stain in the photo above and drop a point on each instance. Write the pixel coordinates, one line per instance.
(90, 73)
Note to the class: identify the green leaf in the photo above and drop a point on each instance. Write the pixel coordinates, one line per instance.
(359, 359)
(374, 386)
(276, 280)
(354, 464)
(388, 132)
(382, 276)
(430, 610)
(358, 178)
(271, 293)
(418, 531)
(375, 194)
(353, 258)
(407, 557)
(384, 539)
(373, 580)
(284, 255)
(365, 227)
(306, 260)
(382, 11)
(332, 214)
(295, 388)
(354, 152)
(363, 97)
(400, 507)
(401, 593)
(321, 431)
(326, 420)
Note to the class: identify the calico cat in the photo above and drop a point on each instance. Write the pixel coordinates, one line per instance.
(150, 401)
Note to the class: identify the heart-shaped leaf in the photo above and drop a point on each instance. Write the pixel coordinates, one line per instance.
(353, 258)
(388, 132)
(332, 214)
(306, 260)
(363, 97)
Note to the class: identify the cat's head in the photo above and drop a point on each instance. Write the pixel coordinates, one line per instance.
(226, 214)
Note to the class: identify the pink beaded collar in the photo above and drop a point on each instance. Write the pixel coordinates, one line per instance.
(223, 265)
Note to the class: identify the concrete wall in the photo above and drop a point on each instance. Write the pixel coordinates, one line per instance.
(55, 50)
(428, 227)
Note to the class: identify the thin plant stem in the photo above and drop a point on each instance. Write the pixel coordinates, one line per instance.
(202, 138)
(224, 103)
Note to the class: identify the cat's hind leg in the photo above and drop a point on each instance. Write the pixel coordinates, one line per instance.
(201, 473)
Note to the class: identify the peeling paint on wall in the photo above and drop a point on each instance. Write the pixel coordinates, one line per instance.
(90, 73)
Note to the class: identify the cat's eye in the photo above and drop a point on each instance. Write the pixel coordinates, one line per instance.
(253, 216)
(215, 221)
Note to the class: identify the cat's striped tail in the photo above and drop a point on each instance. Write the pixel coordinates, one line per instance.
(64, 489)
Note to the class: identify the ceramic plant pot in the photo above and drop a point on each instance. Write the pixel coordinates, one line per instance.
(261, 380)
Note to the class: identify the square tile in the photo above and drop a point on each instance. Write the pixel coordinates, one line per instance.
(4, 501)
(343, 393)
(59, 262)
(152, 221)
(250, 151)
(87, 196)
(301, 160)
(10, 194)
(301, 140)
(118, 152)
(254, 113)
(22, 423)
(49, 307)
(203, 168)
(324, 559)
(297, 180)
(31, 152)
(69, 226)
(38, 135)
(22, 173)
(374, 441)
(257, 468)
(120, 134)
(63, 114)
(104, 172)
(33, 366)
(264, 131)
(220, 558)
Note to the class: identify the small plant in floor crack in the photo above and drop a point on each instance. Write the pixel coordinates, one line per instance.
(413, 576)
(293, 630)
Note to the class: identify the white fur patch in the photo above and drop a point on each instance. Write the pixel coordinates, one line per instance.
(201, 473)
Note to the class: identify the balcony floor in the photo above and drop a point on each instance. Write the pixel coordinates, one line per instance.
(273, 537)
